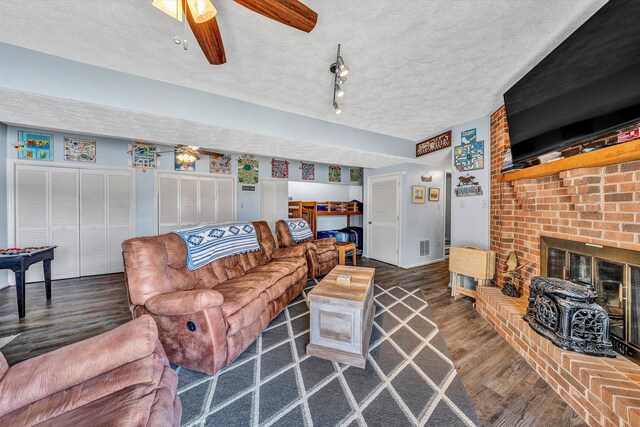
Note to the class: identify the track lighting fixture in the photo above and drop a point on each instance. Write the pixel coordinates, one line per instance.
(339, 70)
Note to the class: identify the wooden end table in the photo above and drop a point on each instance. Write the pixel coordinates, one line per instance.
(19, 261)
(343, 248)
(342, 316)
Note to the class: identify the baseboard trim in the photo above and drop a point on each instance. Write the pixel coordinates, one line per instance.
(4, 285)
(420, 264)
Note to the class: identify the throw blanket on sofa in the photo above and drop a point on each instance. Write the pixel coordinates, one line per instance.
(208, 243)
(299, 229)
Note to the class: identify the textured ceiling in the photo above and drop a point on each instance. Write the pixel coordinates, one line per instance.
(417, 66)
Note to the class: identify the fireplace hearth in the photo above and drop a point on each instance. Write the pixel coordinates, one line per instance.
(567, 315)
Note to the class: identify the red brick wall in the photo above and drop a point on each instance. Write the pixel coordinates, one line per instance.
(593, 205)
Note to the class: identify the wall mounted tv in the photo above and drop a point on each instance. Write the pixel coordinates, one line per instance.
(588, 86)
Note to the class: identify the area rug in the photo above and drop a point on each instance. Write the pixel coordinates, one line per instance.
(409, 378)
(6, 340)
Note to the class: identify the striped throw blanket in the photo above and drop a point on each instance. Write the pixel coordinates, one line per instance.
(299, 229)
(211, 242)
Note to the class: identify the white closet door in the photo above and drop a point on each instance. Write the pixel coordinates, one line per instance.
(208, 200)
(93, 222)
(32, 212)
(64, 222)
(226, 200)
(188, 201)
(274, 197)
(169, 211)
(282, 200)
(119, 218)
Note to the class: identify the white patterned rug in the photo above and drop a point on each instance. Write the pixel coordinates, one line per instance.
(6, 340)
(409, 379)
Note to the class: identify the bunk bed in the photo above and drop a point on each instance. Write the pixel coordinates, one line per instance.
(311, 210)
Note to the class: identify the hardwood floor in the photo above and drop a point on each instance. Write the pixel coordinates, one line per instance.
(503, 388)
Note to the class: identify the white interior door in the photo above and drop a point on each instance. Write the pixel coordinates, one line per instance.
(274, 201)
(32, 212)
(169, 211)
(119, 217)
(208, 202)
(189, 201)
(384, 218)
(226, 197)
(64, 222)
(93, 222)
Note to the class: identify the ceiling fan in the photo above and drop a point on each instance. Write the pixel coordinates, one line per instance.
(201, 15)
(188, 153)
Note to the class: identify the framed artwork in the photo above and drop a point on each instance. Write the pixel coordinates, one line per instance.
(436, 143)
(279, 168)
(419, 194)
(469, 156)
(35, 145)
(143, 155)
(220, 163)
(434, 194)
(79, 150)
(335, 173)
(308, 171)
(355, 174)
(248, 168)
(468, 186)
(468, 136)
(183, 165)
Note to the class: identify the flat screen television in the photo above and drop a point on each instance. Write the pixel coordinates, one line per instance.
(586, 87)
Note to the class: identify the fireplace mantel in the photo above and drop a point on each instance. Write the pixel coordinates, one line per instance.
(619, 153)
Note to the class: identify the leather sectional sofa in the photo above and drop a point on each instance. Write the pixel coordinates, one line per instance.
(119, 378)
(322, 254)
(208, 316)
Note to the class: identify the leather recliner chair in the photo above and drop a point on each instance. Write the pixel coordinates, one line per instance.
(208, 316)
(322, 254)
(119, 378)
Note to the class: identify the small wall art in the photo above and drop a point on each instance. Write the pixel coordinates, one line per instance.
(79, 150)
(220, 163)
(436, 143)
(335, 173)
(468, 136)
(183, 165)
(279, 168)
(34, 145)
(248, 169)
(308, 171)
(355, 174)
(434, 194)
(143, 155)
(468, 186)
(419, 194)
(468, 157)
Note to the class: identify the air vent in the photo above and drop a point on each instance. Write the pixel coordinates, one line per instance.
(424, 248)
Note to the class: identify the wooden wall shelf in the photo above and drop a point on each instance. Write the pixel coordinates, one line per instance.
(620, 153)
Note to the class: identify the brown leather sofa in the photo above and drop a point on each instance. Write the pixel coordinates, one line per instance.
(208, 316)
(322, 254)
(119, 378)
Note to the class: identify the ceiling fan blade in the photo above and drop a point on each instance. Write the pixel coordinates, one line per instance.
(208, 35)
(289, 12)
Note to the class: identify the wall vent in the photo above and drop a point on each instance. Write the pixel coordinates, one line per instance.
(424, 248)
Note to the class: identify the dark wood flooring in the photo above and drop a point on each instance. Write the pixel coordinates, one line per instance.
(503, 388)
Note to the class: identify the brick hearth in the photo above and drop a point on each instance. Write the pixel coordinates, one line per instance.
(592, 205)
(603, 391)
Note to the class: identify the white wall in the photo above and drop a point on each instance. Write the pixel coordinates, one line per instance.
(3, 199)
(417, 221)
(314, 191)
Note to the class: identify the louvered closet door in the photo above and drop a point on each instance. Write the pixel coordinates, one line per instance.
(208, 200)
(32, 212)
(119, 217)
(188, 201)
(169, 212)
(93, 222)
(226, 200)
(64, 222)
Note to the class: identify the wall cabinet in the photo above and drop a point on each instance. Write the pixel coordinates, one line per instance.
(87, 213)
(187, 200)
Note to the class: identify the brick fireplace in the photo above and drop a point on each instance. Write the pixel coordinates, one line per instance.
(599, 206)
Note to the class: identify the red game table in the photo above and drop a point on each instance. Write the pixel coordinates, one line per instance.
(19, 260)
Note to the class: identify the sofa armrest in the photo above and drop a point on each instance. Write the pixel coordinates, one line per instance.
(290, 252)
(183, 302)
(329, 241)
(50, 373)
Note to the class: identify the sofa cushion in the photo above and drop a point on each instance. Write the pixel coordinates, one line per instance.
(285, 283)
(327, 256)
(4, 366)
(324, 249)
(247, 314)
(281, 266)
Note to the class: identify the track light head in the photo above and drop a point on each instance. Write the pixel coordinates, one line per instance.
(336, 108)
(339, 91)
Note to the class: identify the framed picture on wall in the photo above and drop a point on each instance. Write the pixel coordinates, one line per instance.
(434, 194)
(419, 194)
